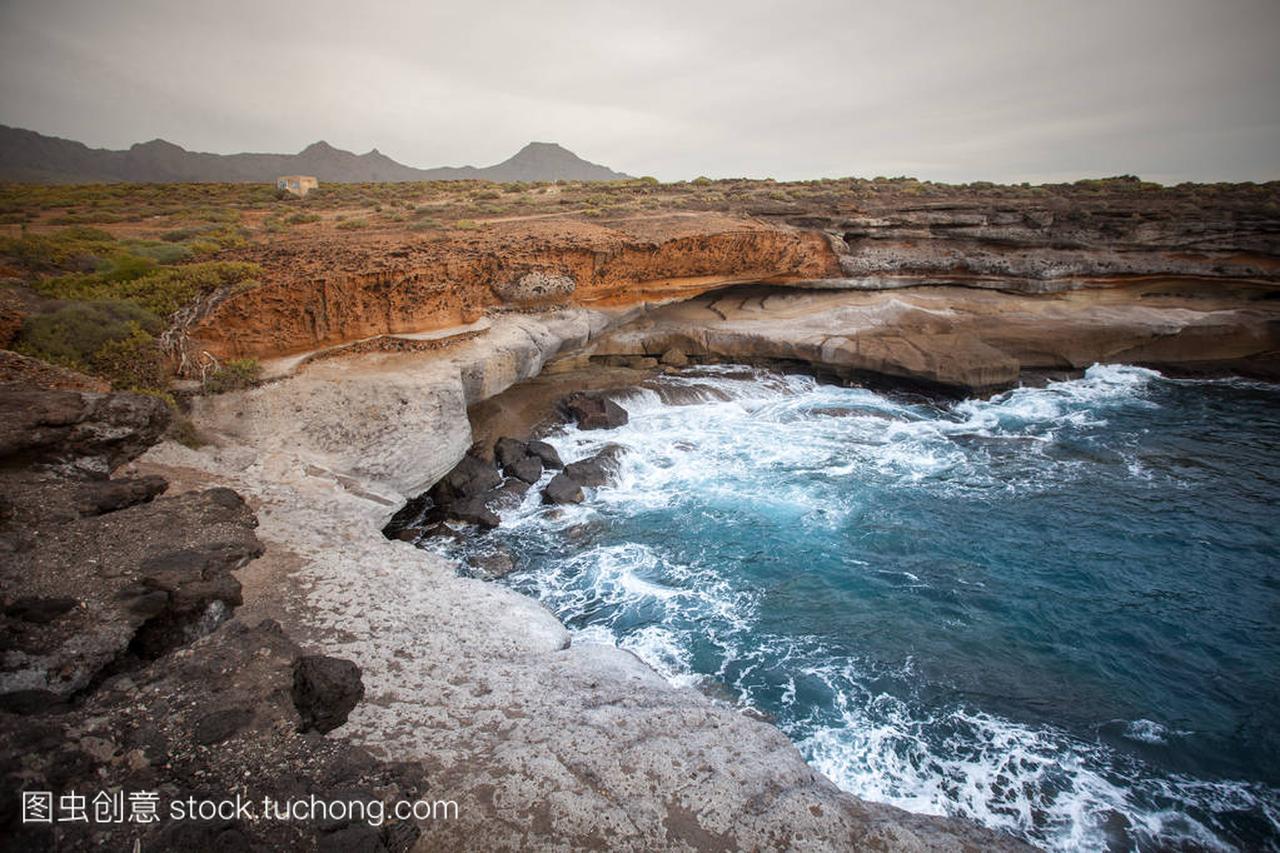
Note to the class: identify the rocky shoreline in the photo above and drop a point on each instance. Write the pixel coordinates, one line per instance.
(471, 691)
(232, 616)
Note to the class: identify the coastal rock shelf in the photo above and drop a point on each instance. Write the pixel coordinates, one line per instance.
(381, 344)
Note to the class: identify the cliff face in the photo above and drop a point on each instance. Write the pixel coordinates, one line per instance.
(318, 296)
(326, 290)
(1035, 245)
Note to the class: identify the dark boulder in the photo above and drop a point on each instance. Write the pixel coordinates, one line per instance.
(562, 490)
(325, 690)
(528, 469)
(550, 458)
(509, 451)
(596, 470)
(40, 610)
(77, 432)
(97, 497)
(594, 411)
(475, 510)
(470, 477)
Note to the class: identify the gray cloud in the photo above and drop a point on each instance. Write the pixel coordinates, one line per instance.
(943, 89)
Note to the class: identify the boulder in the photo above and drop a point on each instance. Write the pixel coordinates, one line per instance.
(470, 477)
(536, 287)
(509, 451)
(595, 470)
(496, 564)
(594, 411)
(562, 490)
(325, 690)
(642, 362)
(475, 510)
(674, 358)
(102, 496)
(82, 433)
(528, 469)
(550, 458)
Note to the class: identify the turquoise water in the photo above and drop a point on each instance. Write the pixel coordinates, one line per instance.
(1056, 612)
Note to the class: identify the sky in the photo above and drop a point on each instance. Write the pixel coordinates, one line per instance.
(949, 90)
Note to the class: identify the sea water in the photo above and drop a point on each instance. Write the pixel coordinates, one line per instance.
(1055, 612)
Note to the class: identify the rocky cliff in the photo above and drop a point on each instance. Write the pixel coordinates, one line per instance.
(1090, 260)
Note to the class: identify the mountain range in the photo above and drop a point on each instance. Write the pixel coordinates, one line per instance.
(30, 157)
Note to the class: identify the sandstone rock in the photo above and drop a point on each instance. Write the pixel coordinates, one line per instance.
(594, 411)
(536, 287)
(325, 691)
(562, 490)
(550, 458)
(674, 358)
(642, 362)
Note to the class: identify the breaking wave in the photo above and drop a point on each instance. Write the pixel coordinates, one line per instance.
(1052, 611)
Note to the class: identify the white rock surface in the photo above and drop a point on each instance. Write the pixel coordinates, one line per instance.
(544, 744)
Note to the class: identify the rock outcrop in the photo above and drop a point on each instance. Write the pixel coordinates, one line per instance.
(482, 686)
(119, 669)
(967, 341)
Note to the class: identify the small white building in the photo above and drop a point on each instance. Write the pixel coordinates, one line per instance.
(296, 184)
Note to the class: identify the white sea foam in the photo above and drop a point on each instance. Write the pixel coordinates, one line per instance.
(782, 445)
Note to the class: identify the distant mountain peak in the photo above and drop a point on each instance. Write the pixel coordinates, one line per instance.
(318, 147)
(156, 144)
(32, 157)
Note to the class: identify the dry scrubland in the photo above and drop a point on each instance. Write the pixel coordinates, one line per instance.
(103, 279)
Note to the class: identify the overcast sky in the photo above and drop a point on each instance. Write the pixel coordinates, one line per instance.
(943, 89)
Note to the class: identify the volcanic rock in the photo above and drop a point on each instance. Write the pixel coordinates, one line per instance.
(325, 690)
(509, 451)
(550, 458)
(594, 411)
(562, 490)
(596, 470)
(528, 469)
(470, 477)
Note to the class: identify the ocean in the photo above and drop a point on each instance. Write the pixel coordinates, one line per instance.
(1055, 612)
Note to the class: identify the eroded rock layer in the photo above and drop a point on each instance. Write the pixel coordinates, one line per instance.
(323, 291)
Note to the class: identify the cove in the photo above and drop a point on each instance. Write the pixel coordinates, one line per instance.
(1053, 611)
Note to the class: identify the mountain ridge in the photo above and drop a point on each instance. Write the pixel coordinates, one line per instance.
(30, 157)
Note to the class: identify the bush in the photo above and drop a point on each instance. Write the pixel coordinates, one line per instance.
(303, 218)
(352, 224)
(73, 334)
(59, 249)
(131, 363)
(160, 290)
(233, 375)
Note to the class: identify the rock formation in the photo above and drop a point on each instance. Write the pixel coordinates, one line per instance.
(123, 666)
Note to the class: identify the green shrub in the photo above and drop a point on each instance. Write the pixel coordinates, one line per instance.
(233, 375)
(161, 290)
(702, 181)
(74, 333)
(303, 218)
(133, 362)
(58, 250)
(352, 224)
